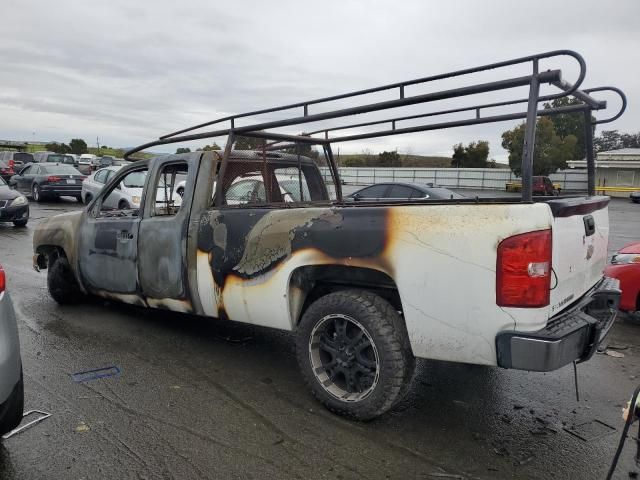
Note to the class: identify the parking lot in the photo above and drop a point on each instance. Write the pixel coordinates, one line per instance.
(210, 399)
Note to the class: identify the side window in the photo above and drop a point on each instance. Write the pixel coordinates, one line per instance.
(124, 197)
(375, 191)
(293, 184)
(35, 170)
(165, 191)
(418, 193)
(26, 171)
(400, 191)
(101, 176)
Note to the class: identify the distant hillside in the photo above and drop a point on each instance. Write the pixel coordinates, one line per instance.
(413, 161)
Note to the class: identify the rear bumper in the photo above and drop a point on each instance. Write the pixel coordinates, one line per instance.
(573, 335)
(68, 190)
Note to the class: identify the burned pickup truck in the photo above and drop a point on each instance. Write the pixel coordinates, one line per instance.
(263, 236)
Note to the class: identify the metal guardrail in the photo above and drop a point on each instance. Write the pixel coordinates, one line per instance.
(473, 178)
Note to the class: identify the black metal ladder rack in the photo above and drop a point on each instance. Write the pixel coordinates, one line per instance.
(389, 126)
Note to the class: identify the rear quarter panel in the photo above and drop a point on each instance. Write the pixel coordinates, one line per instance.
(441, 257)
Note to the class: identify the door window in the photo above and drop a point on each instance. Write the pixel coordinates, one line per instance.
(26, 171)
(375, 191)
(400, 191)
(101, 176)
(167, 199)
(123, 202)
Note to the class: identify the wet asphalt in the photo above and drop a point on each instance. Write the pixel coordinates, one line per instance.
(200, 399)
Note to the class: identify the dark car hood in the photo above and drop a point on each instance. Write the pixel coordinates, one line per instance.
(8, 194)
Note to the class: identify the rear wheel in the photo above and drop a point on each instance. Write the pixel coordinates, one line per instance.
(123, 205)
(61, 282)
(354, 352)
(36, 194)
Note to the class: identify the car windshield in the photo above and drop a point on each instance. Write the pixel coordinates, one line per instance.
(60, 169)
(23, 157)
(134, 180)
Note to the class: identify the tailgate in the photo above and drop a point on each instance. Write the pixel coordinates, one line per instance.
(580, 239)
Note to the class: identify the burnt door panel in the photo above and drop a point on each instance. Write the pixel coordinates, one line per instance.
(108, 254)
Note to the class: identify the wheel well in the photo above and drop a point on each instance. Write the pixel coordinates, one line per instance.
(45, 252)
(309, 283)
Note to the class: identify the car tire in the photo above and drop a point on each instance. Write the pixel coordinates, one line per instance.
(123, 205)
(87, 198)
(78, 198)
(354, 353)
(36, 194)
(180, 191)
(20, 223)
(11, 410)
(61, 282)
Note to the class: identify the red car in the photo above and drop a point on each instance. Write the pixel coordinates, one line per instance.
(625, 266)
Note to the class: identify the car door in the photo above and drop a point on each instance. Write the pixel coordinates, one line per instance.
(25, 180)
(162, 263)
(108, 245)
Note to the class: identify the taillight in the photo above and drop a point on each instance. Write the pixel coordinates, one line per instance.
(12, 164)
(3, 281)
(53, 179)
(523, 270)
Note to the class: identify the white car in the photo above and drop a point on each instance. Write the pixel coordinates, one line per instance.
(128, 194)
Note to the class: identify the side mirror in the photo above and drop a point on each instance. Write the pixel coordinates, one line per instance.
(356, 196)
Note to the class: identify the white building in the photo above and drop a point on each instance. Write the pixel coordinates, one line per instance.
(615, 168)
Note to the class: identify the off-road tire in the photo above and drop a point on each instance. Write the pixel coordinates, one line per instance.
(388, 333)
(61, 282)
(11, 410)
(20, 223)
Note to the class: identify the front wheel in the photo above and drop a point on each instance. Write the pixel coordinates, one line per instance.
(61, 282)
(353, 350)
(20, 223)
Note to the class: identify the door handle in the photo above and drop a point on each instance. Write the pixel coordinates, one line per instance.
(589, 225)
(124, 235)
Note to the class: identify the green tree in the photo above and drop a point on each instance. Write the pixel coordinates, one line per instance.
(78, 146)
(566, 124)
(551, 151)
(249, 143)
(183, 150)
(57, 147)
(207, 148)
(473, 155)
(389, 159)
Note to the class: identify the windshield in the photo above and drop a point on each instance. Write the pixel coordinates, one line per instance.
(23, 157)
(60, 159)
(59, 169)
(134, 180)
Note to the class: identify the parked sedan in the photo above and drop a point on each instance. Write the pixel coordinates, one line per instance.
(11, 384)
(397, 191)
(6, 171)
(625, 266)
(14, 207)
(41, 180)
(635, 197)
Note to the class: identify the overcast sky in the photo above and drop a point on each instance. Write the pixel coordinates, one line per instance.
(131, 71)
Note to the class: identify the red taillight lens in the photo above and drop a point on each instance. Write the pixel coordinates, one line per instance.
(3, 281)
(523, 270)
(53, 179)
(12, 164)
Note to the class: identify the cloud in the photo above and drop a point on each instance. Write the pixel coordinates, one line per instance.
(131, 72)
